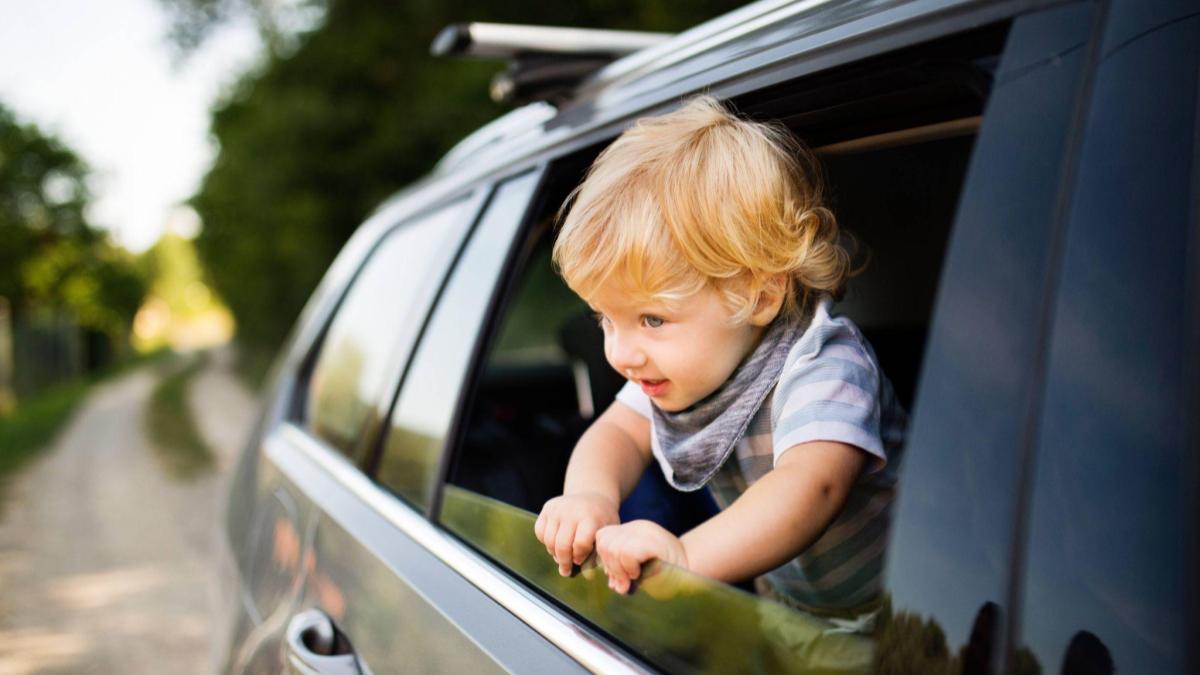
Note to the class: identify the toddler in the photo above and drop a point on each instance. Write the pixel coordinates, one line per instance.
(700, 240)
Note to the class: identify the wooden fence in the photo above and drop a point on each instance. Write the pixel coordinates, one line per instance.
(37, 351)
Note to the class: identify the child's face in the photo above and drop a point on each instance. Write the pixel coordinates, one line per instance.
(678, 354)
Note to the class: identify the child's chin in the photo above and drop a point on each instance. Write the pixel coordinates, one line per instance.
(670, 406)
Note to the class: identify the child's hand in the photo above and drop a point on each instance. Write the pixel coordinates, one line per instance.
(623, 549)
(568, 524)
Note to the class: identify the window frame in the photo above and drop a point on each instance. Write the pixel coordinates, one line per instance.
(373, 457)
(295, 414)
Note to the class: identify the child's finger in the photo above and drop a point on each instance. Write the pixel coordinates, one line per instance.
(631, 565)
(621, 566)
(563, 540)
(549, 535)
(539, 526)
(616, 576)
(612, 569)
(585, 540)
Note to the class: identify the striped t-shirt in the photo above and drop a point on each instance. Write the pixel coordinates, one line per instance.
(831, 389)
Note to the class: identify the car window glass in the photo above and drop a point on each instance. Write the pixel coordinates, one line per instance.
(897, 198)
(373, 324)
(737, 633)
(1108, 566)
(426, 404)
(960, 486)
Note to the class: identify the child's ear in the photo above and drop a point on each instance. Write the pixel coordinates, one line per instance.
(770, 300)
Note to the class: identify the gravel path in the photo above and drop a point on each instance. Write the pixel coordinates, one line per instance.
(106, 564)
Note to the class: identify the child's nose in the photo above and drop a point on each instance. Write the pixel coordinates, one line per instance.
(624, 354)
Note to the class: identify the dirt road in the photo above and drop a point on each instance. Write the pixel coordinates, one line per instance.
(105, 561)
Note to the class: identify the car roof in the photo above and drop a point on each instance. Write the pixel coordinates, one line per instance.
(704, 58)
(700, 57)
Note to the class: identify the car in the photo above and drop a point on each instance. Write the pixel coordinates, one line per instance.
(1022, 177)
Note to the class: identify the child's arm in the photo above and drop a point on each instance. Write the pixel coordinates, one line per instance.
(606, 463)
(772, 522)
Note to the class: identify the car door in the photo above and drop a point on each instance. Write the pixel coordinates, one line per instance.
(328, 579)
(1111, 572)
(949, 565)
(336, 373)
(376, 569)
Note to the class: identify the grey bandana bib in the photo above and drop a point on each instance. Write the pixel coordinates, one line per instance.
(696, 441)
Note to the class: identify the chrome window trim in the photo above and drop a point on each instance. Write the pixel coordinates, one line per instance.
(290, 441)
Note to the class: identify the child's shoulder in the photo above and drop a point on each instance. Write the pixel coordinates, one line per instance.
(831, 361)
(831, 388)
(830, 342)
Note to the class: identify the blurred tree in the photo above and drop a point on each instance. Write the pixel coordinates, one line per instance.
(43, 192)
(50, 258)
(279, 21)
(97, 283)
(180, 309)
(321, 133)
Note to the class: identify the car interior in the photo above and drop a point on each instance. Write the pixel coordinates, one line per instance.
(894, 143)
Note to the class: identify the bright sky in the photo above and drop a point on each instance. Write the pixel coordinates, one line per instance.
(99, 76)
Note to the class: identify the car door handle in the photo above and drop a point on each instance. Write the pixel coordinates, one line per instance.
(315, 646)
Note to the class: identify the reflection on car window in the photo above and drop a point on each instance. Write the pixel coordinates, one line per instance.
(542, 300)
(1109, 565)
(427, 400)
(960, 487)
(737, 632)
(372, 327)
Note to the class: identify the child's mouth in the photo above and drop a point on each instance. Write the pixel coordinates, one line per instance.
(653, 387)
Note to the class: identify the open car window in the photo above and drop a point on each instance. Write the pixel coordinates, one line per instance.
(894, 176)
(897, 150)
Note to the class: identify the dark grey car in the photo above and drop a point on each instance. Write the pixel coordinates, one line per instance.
(1023, 175)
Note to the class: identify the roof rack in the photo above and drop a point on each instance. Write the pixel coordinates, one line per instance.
(545, 63)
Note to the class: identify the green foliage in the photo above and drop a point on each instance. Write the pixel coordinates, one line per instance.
(321, 133)
(43, 192)
(175, 268)
(50, 257)
(170, 425)
(192, 21)
(96, 283)
(910, 645)
(35, 423)
(180, 308)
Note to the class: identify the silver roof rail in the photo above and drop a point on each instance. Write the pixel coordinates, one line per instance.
(545, 63)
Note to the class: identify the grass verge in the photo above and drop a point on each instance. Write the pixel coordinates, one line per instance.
(33, 425)
(253, 364)
(37, 419)
(170, 426)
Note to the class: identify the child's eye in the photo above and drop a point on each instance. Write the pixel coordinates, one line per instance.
(651, 321)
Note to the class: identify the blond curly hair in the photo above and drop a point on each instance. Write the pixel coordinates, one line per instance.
(703, 197)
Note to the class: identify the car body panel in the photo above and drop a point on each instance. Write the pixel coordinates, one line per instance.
(402, 607)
